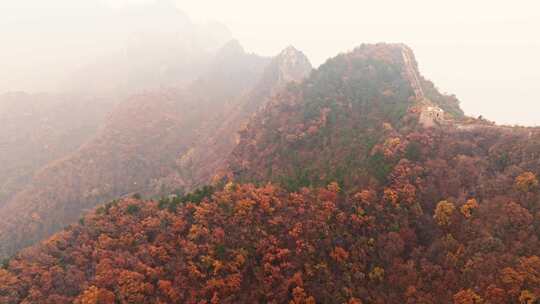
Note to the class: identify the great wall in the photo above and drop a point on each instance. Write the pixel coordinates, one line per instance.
(430, 114)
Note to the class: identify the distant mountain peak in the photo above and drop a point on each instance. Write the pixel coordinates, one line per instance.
(292, 64)
(290, 49)
(231, 48)
(424, 92)
(386, 52)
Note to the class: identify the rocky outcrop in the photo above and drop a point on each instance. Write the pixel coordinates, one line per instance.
(208, 155)
(293, 65)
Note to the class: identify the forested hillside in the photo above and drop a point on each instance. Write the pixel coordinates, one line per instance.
(151, 50)
(210, 151)
(142, 146)
(39, 128)
(335, 193)
(261, 245)
(325, 128)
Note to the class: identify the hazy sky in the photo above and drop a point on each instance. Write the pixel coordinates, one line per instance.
(485, 52)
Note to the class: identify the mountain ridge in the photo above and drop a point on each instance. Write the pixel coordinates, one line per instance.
(139, 148)
(336, 192)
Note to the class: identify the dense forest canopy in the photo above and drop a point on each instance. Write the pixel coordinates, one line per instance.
(335, 193)
(155, 143)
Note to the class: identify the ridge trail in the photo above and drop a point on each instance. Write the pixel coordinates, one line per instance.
(414, 79)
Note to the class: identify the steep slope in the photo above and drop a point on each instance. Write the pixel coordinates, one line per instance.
(326, 128)
(209, 153)
(424, 90)
(262, 245)
(152, 45)
(39, 128)
(314, 132)
(443, 214)
(139, 148)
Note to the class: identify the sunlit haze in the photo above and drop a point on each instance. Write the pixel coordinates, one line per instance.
(301, 152)
(484, 52)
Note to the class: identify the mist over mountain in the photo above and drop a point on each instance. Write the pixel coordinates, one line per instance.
(39, 128)
(359, 184)
(66, 65)
(165, 163)
(107, 55)
(153, 143)
(97, 48)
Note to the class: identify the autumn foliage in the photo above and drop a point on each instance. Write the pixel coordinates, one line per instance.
(245, 244)
(334, 194)
(154, 143)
